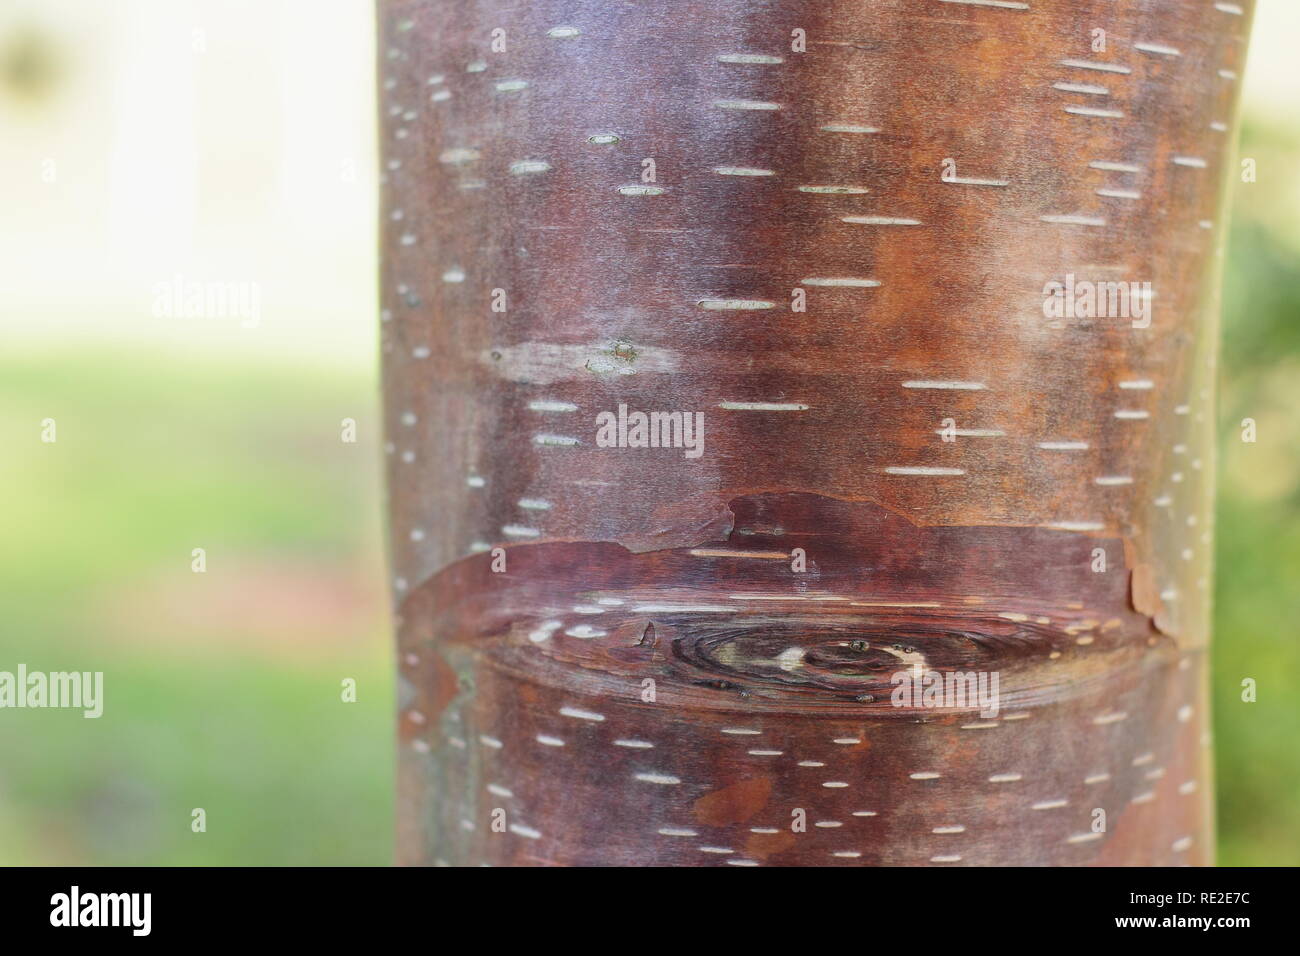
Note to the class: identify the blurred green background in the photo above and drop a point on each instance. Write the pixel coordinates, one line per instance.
(148, 139)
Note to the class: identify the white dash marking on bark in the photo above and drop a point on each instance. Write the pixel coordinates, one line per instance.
(667, 780)
(1160, 49)
(585, 632)
(972, 181)
(544, 631)
(1049, 804)
(578, 714)
(546, 405)
(848, 128)
(1094, 111)
(923, 471)
(879, 221)
(737, 553)
(1073, 220)
(520, 531)
(762, 105)
(845, 283)
(1090, 88)
(634, 744)
(1063, 445)
(1095, 65)
(972, 432)
(735, 305)
(524, 167)
(945, 384)
(549, 741)
(753, 58)
(639, 190)
(763, 406)
(834, 190)
(1115, 167)
(742, 171)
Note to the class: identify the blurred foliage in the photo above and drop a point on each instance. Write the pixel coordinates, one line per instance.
(1257, 590)
(215, 697)
(30, 64)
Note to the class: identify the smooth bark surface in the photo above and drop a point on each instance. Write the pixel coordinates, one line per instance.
(832, 229)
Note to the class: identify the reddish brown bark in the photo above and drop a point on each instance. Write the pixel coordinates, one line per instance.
(685, 656)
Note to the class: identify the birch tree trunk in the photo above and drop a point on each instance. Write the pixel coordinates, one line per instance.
(913, 565)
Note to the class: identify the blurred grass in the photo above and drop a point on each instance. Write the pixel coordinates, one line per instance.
(1257, 586)
(214, 697)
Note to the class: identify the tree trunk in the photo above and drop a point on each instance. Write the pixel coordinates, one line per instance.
(913, 565)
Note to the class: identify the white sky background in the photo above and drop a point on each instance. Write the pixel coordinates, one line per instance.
(213, 139)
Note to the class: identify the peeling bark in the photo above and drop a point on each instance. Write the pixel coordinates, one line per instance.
(912, 462)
